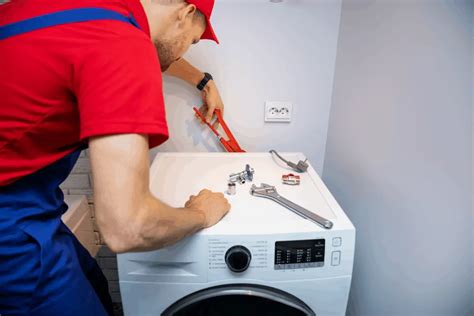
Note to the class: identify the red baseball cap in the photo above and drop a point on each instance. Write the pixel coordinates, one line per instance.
(206, 6)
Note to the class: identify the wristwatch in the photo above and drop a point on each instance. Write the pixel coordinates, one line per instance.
(204, 81)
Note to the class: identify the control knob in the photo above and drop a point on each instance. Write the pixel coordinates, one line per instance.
(238, 258)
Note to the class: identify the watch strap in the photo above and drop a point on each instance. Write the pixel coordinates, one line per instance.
(204, 81)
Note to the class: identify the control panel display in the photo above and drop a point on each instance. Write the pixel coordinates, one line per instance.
(299, 254)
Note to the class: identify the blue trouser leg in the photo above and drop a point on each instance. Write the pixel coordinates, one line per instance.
(44, 270)
(57, 276)
(88, 293)
(94, 274)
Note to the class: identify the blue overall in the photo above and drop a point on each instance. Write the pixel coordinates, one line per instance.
(44, 270)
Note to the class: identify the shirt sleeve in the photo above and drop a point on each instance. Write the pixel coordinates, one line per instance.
(119, 90)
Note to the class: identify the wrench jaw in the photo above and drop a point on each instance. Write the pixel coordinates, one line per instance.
(265, 191)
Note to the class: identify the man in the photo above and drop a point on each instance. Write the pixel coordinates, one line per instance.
(78, 73)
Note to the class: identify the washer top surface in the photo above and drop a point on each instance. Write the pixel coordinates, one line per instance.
(176, 176)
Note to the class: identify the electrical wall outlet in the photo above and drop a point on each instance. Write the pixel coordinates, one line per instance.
(278, 111)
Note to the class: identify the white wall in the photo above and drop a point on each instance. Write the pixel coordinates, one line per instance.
(269, 51)
(472, 154)
(398, 154)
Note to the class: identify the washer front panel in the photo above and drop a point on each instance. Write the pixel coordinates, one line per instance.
(285, 256)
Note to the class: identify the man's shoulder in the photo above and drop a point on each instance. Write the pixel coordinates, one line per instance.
(81, 32)
(17, 10)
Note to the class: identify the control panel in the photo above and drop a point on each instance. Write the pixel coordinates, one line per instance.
(299, 254)
(238, 255)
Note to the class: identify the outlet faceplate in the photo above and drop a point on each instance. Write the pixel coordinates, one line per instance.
(278, 111)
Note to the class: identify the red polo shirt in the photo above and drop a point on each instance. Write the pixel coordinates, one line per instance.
(63, 84)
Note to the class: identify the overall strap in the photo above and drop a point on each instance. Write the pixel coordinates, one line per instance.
(63, 17)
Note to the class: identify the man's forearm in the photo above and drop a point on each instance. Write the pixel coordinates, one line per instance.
(152, 225)
(172, 224)
(183, 70)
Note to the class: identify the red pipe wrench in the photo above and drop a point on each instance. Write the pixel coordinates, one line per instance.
(231, 144)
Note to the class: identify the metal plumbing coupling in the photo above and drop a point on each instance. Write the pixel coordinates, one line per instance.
(231, 188)
(242, 176)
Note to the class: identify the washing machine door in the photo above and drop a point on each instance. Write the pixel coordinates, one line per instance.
(238, 300)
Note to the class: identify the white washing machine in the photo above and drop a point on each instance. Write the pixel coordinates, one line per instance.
(261, 259)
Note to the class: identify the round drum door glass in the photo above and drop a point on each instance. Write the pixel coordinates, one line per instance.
(239, 300)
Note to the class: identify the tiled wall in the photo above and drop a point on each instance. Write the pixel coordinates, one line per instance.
(108, 262)
(79, 181)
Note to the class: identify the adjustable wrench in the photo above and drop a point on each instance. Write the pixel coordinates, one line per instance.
(270, 192)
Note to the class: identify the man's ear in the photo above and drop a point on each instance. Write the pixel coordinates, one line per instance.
(187, 11)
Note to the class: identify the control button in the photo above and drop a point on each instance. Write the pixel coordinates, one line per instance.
(238, 258)
(337, 242)
(336, 258)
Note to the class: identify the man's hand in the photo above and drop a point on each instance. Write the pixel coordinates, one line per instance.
(214, 206)
(210, 95)
(212, 101)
